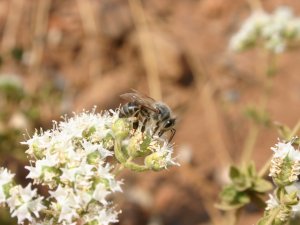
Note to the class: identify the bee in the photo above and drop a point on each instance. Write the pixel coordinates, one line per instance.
(145, 109)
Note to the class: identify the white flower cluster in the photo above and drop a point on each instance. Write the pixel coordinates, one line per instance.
(285, 167)
(71, 159)
(285, 171)
(274, 32)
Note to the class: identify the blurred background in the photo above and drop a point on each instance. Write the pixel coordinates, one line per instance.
(57, 57)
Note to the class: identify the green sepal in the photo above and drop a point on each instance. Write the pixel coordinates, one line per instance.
(120, 153)
(135, 167)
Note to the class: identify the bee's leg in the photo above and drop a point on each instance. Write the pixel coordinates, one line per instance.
(144, 125)
(173, 132)
(156, 129)
(145, 116)
(135, 125)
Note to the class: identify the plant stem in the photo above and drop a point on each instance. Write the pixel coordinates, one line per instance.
(272, 217)
(121, 166)
(249, 144)
(265, 168)
(147, 47)
(234, 216)
(254, 130)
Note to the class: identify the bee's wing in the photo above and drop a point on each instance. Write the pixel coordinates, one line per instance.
(141, 99)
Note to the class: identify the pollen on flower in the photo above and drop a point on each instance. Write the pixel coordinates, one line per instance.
(295, 171)
(276, 166)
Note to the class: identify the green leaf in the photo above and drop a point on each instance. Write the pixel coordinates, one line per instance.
(17, 53)
(251, 170)
(228, 194)
(231, 198)
(228, 207)
(259, 116)
(261, 185)
(234, 172)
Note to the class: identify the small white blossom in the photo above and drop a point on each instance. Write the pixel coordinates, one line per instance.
(285, 164)
(36, 171)
(23, 202)
(100, 193)
(6, 177)
(66, 203)
(103, 216)
(286, 149)
(272, 203)
(295, 187)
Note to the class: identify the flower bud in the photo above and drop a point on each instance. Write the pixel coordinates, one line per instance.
(121, 128)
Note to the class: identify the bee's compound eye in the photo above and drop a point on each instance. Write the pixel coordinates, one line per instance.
(169, 123)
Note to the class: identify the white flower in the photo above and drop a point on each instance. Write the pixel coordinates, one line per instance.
(66, 203)
(250, 30)
(24, 202)
(37, 170)
(167, 150)
(272, 203)
(104, 173)
(6, 177)
(91, 147)
(72, 160)
(83, 171)
(283, 150)
(273, 31)
(39, 143)
(100, 193)
(103, 216)
(161, 158)
(295, 187)
(285, 164)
